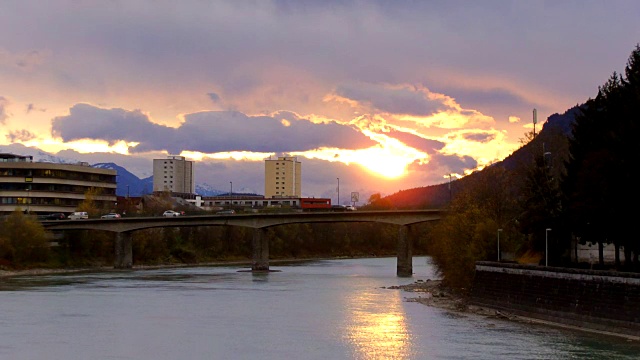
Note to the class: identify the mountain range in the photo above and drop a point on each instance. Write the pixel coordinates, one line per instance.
(551, 140)
(131, 185)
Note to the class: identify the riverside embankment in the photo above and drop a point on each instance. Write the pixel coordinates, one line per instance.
(604, 301)
(601, 302)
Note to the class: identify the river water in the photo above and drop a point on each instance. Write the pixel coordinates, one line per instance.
(333, 309)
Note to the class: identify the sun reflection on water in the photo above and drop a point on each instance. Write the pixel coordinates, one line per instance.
(376, 331)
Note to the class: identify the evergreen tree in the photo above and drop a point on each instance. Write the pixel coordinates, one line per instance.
(600, 181)
(541, 202)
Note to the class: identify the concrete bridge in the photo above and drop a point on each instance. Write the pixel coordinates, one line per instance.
(124, 227)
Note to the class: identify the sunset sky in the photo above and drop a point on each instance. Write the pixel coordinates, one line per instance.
(385, 95)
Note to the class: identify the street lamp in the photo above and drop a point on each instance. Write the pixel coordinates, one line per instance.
(27, 200)
(231, 192)
(546, 247)
(338, 191)
(499, 231)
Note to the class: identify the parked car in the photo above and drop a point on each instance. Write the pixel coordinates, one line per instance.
(79, 215)
(226, 212)
(351, 208)
(55, 216)
(170, 213)
(110, 216)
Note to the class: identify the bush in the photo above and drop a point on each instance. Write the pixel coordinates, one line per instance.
(23, 241)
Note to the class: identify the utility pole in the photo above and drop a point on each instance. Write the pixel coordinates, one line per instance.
(535, 121)
(338, 191)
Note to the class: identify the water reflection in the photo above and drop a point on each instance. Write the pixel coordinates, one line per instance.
(377, 327)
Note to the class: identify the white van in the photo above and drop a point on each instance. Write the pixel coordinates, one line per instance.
(79, 215)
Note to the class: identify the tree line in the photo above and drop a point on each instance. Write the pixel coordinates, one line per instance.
(565, 190)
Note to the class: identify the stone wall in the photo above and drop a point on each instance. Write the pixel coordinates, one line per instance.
(598, 300)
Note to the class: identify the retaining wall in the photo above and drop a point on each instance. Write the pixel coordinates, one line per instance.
(597, 300)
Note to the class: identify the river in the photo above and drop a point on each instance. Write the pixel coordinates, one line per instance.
(329, 309)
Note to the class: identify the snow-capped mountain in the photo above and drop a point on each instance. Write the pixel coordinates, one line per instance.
(205, 189)
(128, 183)
(38, 155)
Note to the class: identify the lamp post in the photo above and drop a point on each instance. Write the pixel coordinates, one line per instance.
(338, 191)
(499, 231)
(28, 199)
(546, 247)
(230, 192)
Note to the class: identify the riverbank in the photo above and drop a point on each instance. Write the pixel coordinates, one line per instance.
(54, 271)
(434, 293)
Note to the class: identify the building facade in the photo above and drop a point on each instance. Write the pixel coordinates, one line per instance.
(44, 188)
(174, 174)
(282, 177)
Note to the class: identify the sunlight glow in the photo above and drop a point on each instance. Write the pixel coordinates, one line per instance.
(378, 333)
(389, 159)
(82, 146)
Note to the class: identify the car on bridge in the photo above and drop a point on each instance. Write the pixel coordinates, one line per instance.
(54, 216)
(79, 215)
(226, 212)
(170, 213)
(110, 216)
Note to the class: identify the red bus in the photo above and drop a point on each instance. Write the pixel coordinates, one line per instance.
(315, 204)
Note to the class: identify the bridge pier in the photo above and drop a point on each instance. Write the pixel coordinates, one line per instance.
(260, 249)
(405, 257)
(123, 251)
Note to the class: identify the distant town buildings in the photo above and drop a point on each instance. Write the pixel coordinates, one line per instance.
(282, 177)
(174, 174)
(43, 188)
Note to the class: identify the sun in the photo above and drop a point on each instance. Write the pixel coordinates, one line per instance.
(382, 163)
(389, 159)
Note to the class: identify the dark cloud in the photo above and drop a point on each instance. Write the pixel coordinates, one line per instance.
(89, 122)
(453, 164)
(209, 132)
(3, 110)
(416, 141)
(20, 135)
(32, 107)
(214, 97)
(403, 100)
(479, 137)
(497, 102)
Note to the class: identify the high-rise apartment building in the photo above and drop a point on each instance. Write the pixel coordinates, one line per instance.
(282, 177)
(173, 174)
